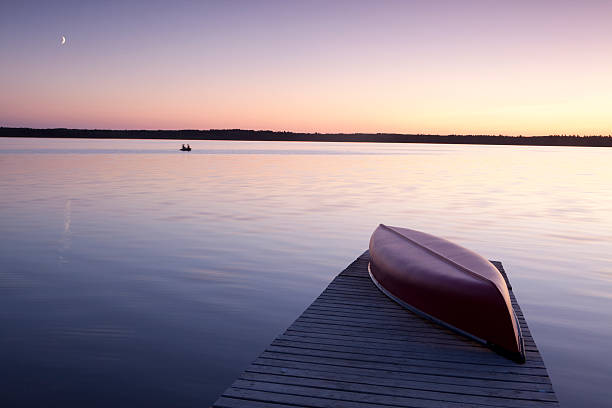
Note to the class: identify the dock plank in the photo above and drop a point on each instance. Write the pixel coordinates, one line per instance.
(402, 383)
(353, 347)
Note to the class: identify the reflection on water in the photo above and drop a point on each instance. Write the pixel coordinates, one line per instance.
(65, 241)
(132, 273)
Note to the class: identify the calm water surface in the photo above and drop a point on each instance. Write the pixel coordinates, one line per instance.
(133, 274)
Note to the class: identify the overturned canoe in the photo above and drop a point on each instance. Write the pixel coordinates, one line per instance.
(448, 284)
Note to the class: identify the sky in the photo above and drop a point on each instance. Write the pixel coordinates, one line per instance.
(436, 67)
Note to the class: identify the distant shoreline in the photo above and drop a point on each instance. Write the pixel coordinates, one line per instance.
(267, 135)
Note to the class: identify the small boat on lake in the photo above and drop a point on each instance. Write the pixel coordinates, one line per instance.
(448, 284)
(185, 148)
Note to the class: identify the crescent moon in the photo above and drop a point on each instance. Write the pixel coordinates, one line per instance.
(63, 40)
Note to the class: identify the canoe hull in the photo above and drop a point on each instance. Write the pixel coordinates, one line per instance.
(446, 283)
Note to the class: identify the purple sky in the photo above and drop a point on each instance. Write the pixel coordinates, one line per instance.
(390, 66)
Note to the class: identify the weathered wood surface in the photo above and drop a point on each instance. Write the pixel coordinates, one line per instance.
(354, 347)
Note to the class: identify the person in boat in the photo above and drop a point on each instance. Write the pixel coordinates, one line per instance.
(183, 148)
(188, 147)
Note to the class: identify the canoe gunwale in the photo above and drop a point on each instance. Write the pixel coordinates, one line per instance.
(517, 357)
(419, 311)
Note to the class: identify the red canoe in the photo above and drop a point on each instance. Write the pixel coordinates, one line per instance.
(448, 284)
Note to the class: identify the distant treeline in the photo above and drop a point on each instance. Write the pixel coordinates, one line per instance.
(267, 135)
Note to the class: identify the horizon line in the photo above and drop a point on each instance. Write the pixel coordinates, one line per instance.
(294, 132)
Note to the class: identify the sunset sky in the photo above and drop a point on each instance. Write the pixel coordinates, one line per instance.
(523, 67)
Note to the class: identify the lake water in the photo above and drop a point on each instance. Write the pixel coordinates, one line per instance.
(135, 274)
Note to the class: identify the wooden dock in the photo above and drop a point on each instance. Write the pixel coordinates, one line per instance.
(355, 348)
